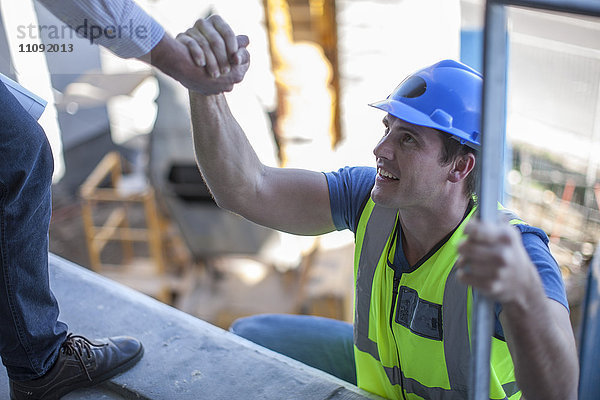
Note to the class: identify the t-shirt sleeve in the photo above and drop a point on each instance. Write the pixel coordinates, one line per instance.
(349, 188)
(535, 242)
(547, 267)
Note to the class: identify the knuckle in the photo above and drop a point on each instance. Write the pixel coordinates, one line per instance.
(490, 286)
(213, 38)
(495, 288)
(195, 35)
(200, 41)
(497, 259)
(201, 23)
(215, 18)
(182, 38)
(505, 256)
(220, 23)
(496, 275)
(203, 44)
(506, 234)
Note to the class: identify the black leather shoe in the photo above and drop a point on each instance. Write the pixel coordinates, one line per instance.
(80, 363)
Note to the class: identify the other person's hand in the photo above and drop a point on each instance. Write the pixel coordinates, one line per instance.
(220, 56)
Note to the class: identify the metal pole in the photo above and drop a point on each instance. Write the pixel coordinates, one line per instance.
(582, 7)
(495, 60)
(492, 156)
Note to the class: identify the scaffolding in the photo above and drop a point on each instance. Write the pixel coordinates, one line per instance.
(495, 61)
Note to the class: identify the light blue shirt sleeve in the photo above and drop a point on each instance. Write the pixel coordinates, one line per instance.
(535, 242)
(349, 187)
(121, 26)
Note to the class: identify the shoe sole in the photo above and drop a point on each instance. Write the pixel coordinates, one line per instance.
(97, 380)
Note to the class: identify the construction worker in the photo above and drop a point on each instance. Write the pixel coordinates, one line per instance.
(419, 249)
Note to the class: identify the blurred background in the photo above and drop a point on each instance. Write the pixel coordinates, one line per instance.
(129, 203)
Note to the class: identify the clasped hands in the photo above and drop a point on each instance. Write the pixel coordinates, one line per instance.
(220, 57)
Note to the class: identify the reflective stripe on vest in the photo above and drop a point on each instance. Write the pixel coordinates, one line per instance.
(377, 233)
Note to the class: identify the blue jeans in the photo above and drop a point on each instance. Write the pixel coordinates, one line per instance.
(30, 334)
(322, 343)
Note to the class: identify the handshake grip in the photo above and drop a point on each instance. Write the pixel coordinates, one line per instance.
(32, 103)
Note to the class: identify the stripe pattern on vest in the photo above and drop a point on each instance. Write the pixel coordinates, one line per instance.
(379, 227)
(454, 331)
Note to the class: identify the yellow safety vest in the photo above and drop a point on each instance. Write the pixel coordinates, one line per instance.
(422, 346)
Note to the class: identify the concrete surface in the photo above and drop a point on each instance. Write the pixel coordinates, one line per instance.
(185, 358)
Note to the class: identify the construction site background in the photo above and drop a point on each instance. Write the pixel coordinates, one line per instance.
(327, 60)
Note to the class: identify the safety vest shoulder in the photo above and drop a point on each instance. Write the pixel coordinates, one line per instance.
(411, 331)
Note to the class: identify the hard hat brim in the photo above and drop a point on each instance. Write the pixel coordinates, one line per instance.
(413, 116)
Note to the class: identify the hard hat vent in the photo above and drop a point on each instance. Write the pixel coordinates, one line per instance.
(411, 87)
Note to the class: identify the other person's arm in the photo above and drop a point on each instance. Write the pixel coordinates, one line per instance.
(129, 32)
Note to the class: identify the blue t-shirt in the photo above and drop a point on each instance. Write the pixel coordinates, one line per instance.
(350, 187)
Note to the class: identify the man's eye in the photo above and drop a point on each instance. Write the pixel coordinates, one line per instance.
(408, 139)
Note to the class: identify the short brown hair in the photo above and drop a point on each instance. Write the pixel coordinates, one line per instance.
(453, 149)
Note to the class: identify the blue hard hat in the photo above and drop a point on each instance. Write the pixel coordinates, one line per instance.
(444, 96)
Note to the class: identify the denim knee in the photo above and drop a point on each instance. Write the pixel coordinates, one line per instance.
(322, 343)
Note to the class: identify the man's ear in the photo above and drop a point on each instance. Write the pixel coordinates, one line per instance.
(461, 167)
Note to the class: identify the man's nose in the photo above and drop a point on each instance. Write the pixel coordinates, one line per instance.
(384, 149)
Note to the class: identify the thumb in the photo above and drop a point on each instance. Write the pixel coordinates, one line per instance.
(242, 56)
(242, 40)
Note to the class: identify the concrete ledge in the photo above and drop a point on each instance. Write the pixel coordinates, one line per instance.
(185, 358)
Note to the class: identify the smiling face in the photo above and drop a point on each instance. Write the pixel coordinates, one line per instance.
(409, 171)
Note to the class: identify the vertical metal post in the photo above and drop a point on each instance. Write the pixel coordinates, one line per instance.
(492, 156)
(594, 157)
(495, 61)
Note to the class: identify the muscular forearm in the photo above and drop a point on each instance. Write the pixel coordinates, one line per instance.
(542, 347)
(226, 159)
(291, 200)
(295, 201)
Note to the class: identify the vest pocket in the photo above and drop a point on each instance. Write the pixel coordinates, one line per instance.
(422, 317)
